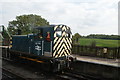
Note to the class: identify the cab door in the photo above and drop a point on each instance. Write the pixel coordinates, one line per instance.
(38, 48)
(48, 44)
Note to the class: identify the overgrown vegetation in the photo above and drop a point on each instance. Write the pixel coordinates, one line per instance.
(103, 36)
(75, 38)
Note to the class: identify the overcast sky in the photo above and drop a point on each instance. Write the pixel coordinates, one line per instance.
(83, 16)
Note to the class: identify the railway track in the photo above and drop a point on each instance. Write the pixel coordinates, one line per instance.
(71, 75)
(67, 75)
(9, 75)
(26, 72)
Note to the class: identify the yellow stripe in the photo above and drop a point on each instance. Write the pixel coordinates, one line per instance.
(55, 34)
(62, 52)
(32, 59)
(55, 39)
(60, 26)
(66, 44)
(55, 28)
(10, 41)
(67, 27)
(56, 56)
(57, 43)
(70, 40)
(61, 49)
(63, 34)
(64, 28)
(54, 53)
(67, 51)
(10, 46)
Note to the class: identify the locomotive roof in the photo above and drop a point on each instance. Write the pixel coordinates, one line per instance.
(40, 27)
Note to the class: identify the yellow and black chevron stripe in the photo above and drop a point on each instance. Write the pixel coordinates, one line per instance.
(10, 42)
(63, 44)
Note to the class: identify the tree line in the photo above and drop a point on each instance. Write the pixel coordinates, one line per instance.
(103, 36)
(77, 36)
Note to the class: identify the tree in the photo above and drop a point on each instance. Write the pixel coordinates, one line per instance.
(26, 23)
(76, 37)
(4, 32)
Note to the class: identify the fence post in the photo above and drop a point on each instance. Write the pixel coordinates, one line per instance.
(77, 49)
(105, 52)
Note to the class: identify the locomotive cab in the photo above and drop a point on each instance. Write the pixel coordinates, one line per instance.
(38, 33)
(44, 37)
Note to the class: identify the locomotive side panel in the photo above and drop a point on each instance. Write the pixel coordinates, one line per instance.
(41, 45)
(20, 43)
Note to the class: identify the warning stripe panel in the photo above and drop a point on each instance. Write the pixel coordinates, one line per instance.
(57, 46)
(62, 45)
(58, 51)
(57, 43)
(61, 52)
(62, 48)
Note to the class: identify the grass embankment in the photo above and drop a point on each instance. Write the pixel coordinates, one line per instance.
(99, 42)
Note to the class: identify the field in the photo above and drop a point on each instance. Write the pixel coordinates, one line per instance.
(99, 42)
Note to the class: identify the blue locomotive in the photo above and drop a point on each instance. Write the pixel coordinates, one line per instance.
(48, 44)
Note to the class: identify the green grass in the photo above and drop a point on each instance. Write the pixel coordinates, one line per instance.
(99, 42)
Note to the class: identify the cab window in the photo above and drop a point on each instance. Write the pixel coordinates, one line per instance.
(68, 35)
(58, 33)
(39, 33)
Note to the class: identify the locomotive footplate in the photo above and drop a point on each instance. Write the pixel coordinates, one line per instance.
(47, 63)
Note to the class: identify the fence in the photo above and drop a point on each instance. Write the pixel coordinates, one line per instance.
(104, 52)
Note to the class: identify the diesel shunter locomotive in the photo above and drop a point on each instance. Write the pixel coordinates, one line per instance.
(47, 45)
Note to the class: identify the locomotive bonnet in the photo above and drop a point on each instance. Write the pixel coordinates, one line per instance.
(49, 41)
